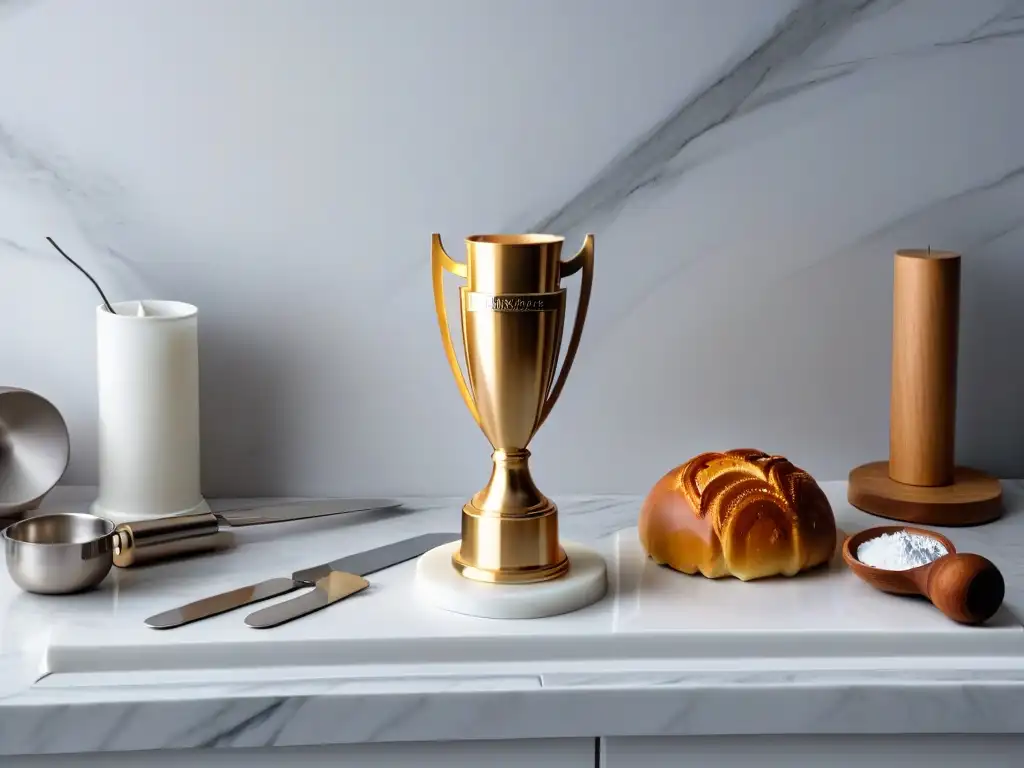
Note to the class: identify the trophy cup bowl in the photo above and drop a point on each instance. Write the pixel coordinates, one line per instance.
(512, 312)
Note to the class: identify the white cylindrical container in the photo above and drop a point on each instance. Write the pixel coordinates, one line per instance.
(148, 375)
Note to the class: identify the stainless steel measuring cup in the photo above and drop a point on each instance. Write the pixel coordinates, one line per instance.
(60, 553)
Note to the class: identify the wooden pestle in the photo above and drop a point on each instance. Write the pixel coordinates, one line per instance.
(920, 482)
(922, 420)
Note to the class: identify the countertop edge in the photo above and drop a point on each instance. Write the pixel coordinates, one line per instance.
(41, 714)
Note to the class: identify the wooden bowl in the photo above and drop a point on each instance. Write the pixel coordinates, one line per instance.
(967, 588)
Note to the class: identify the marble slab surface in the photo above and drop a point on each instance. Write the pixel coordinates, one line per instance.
(58, 704)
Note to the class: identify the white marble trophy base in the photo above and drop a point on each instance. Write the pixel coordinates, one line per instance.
(438, 583)
(135, 515)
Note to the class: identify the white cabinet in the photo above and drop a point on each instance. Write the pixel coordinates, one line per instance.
(533, 753)
(917, 751)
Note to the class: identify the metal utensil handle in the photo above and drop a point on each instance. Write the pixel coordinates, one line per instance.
(147, 541)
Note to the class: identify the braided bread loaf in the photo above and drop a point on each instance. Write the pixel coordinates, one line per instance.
(741, 513)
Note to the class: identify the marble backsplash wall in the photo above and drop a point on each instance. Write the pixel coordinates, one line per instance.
(748, 168)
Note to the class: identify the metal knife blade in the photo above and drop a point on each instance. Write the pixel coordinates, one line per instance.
(359, 564)
(300, 510)
(373, 560)
(222, 603)
(330, 589)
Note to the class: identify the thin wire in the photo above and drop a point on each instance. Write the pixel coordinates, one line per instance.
(103, 296)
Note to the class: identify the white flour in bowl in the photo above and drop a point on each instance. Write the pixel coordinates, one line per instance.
(900, 551)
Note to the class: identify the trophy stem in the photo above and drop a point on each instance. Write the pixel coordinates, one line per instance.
(510, 529)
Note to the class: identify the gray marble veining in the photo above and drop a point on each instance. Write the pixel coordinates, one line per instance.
(643, 165)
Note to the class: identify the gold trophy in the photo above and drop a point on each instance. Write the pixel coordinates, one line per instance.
(513, 311)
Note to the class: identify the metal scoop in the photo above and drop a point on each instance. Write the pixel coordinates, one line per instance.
(65, 552)
(59, 554)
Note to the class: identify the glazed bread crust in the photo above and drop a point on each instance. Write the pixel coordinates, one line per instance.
(742, 513)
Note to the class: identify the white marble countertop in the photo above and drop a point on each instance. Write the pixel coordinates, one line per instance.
(60, 692)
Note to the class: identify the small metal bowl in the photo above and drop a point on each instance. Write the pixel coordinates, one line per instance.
(59, 554)
(34, 450)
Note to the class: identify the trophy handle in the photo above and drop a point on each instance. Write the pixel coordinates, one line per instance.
(583, 260)
(439, 262)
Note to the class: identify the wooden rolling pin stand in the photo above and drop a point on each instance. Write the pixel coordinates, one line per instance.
(920, 483)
